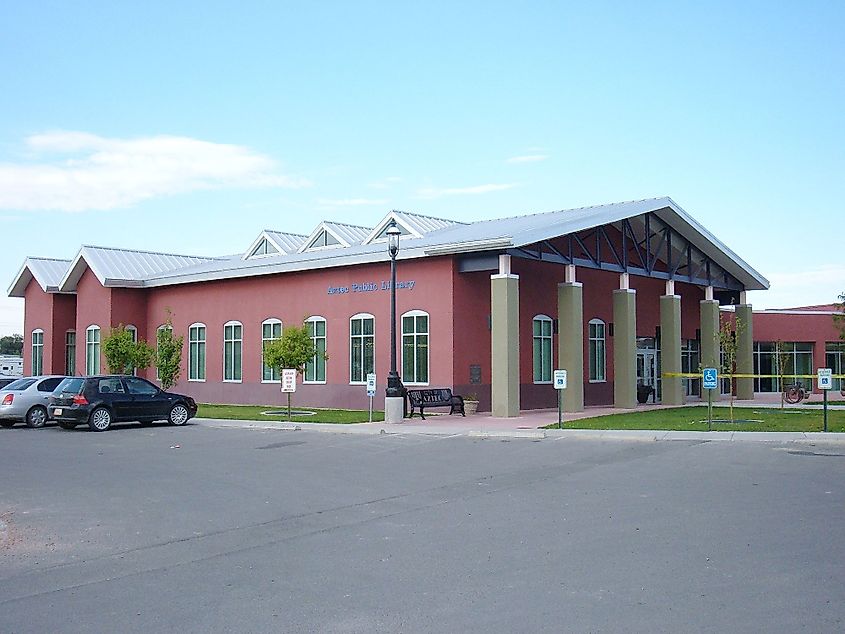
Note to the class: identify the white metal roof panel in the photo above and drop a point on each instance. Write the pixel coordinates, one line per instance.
(47, 272)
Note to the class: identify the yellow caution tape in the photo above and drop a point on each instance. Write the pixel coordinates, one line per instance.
(697, 375)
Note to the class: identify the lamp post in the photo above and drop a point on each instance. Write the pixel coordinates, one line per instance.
(394, 400)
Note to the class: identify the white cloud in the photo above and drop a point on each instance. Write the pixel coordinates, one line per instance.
(811, 287)
(351, 202)
(528, 158)
(435, 192)
(77, 171)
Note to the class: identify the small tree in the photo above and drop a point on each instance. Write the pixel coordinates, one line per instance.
(168, 354)
(11, 344)
(293, 350)
(727, 339)
(123, 354)
(838, 317)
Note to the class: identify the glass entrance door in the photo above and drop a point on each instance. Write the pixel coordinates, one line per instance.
(648, 364)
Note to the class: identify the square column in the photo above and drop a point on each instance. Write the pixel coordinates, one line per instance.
(625, 348)
(504, 312)
(570, 343)
(744, 351)
(710, 339)
(670, 349)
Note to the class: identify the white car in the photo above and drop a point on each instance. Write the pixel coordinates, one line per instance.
(25, 400)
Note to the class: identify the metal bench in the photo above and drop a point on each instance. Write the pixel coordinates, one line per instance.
(435, 397)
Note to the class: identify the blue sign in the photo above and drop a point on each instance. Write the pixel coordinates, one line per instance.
(710, 378)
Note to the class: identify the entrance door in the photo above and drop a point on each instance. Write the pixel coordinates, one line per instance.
(648, 365)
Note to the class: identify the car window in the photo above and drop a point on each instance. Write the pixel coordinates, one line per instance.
(70, 385)
(20, 384)
(140, 386)
(113, 386)
(48, 385)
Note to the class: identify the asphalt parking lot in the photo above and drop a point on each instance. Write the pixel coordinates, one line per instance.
(199, 529)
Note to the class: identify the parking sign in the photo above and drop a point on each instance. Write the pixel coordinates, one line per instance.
(371, 384)
(825, 376)
(560, 379)
(710, 378)
(288, 380)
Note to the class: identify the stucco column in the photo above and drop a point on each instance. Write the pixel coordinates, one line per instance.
(625, 348)
(670, 349)
(570, 343)
(710, 339)
(744, 351)
(504, 311)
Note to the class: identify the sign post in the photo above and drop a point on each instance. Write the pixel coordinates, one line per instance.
(560, 386)
(371, 391)
(710, 381)
(288, 385)
(825, 377)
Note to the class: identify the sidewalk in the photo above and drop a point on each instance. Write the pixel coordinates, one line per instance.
(527, 425)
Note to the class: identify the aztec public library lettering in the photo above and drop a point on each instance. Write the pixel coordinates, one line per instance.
(618, 295)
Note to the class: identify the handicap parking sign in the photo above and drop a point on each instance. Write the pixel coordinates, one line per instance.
(710, 378)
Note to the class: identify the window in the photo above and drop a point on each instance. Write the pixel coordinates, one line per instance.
(92, 350)
(690, 364)
(796, 357)
(264, 248)
(324, 239)
(111, 385)
(233, 340)
(37, 351)
(70, 352)
(48, 385)
(542, 329)
(415, 347)
(196, 352)
(135, 385)
(271, 329)
(834, 358)
(315, 370)
(598, 356)
(361, 347)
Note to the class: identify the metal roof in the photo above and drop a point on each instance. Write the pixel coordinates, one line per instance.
(117, 267)
(287, 242)
(123, 267)
(48, 272)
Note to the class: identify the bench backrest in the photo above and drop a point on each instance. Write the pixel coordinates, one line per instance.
(428, 397)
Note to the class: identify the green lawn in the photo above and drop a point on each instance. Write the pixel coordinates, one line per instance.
(255, 412)
(695, 419)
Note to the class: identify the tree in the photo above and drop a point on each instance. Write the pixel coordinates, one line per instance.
(783, 359)
(728, 345)
(168, 354)
(292, 351)
(838, 317)
(123, 354)
(11, 344)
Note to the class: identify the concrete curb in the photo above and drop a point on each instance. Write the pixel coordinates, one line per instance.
(535, 434)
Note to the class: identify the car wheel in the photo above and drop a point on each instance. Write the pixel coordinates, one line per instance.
(100, 419)
(178, 415)
(66, 425)
(7, 423)
(36, 417)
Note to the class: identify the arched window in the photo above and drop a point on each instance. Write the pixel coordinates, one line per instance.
(598, 356)
(271, 329)
(196, 352)
(70, 352)
(415, 347)
(92, 349)
(315, 369)
(37, 351)
(362, 346)
(542, 333)
(233, 342)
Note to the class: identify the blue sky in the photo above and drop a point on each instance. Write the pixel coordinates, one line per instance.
(189, 127)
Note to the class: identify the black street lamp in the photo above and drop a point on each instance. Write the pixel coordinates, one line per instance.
(394, 385)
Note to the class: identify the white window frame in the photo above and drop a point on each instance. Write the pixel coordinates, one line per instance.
(272, 321)
(235, 342)
(94, 342)
(70, 370)
(202, 341)
(551, 360)
(37, 352)
(415, 313)
(362, 338)
(314, 319)
(594, 341)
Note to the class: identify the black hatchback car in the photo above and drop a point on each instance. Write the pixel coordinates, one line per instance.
(103, 400)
